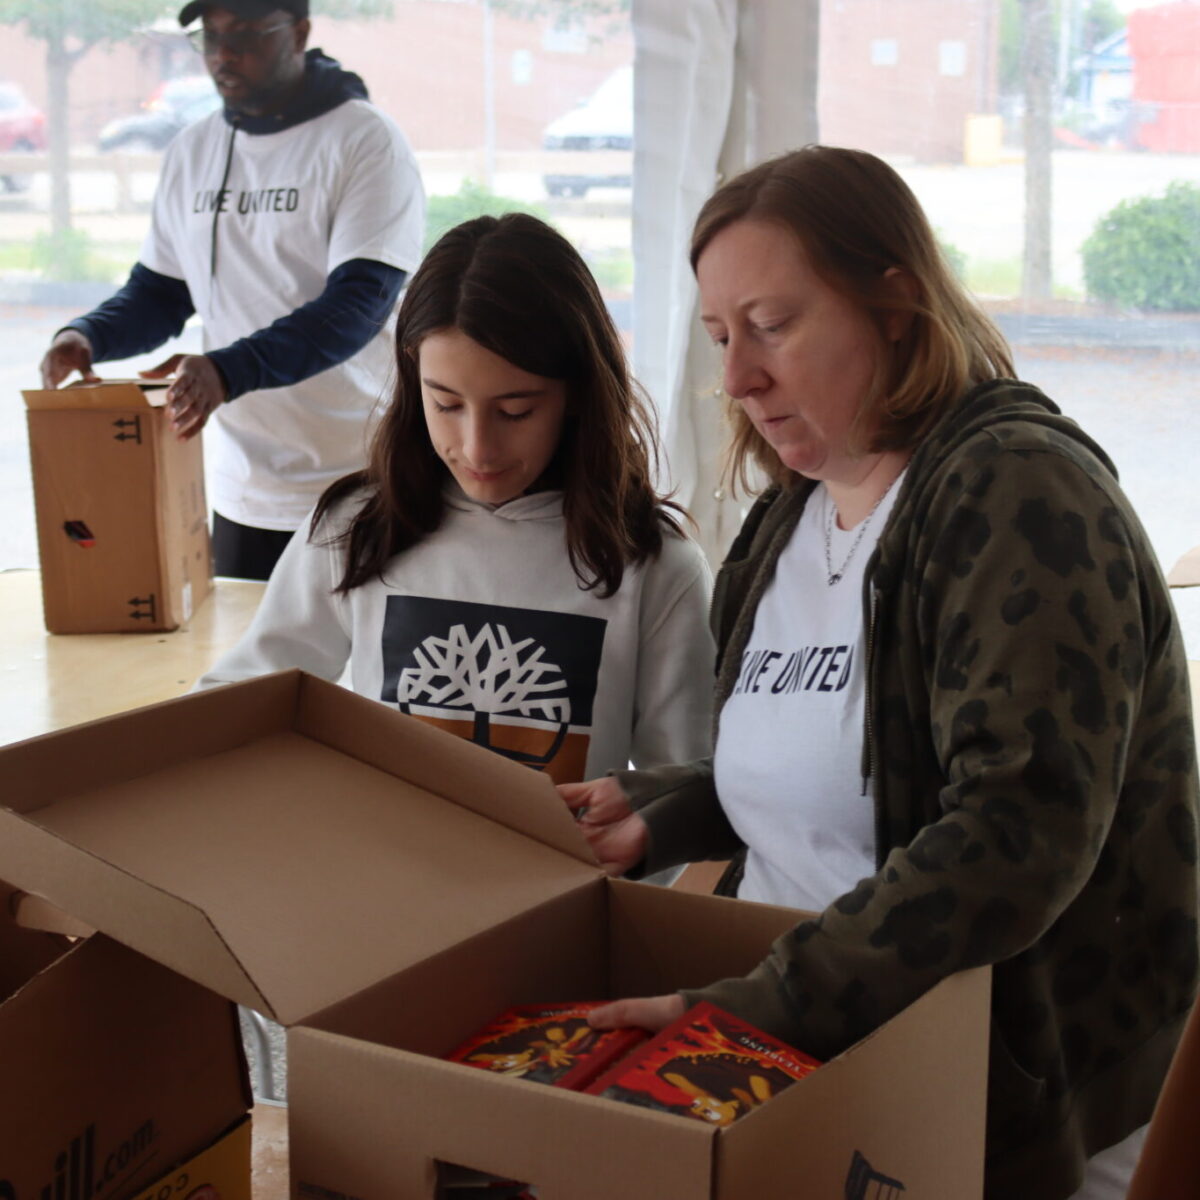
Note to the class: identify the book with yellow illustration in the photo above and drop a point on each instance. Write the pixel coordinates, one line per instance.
(547, 1043)
(709, 1065)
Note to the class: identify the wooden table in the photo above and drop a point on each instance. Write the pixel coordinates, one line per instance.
(268, 1151)
(48, 681)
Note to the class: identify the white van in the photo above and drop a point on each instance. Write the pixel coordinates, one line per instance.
(604, 121)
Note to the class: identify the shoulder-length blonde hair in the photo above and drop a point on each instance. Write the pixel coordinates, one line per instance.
(855, 218)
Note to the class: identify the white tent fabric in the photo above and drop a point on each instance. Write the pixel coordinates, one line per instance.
(718, 86)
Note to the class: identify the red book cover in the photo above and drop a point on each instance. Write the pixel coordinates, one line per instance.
(709, 1065)
(547, 1043)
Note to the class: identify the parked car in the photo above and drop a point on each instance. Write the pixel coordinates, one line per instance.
(604, 121)
(174, 105)
(22, 129)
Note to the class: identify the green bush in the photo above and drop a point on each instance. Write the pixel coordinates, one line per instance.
(1145, 253)
(68, 255)
(955, 258)
(471, 200)
(612, 269)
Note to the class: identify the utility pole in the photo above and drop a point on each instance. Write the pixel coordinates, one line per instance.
(1037, 56)
(489, 96)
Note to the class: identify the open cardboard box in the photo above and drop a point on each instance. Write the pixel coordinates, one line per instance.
(384, 888)
(121, 515)
(115, 1069)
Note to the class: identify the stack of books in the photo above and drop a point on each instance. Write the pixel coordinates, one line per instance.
(709, 1065)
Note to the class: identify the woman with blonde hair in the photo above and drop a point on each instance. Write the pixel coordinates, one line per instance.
(953, 716)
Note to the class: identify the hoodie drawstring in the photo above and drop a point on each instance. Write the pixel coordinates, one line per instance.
(212, 261)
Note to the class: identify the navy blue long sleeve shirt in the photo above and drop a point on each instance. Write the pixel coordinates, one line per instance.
(151, 308)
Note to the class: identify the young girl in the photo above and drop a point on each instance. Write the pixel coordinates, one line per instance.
(503, 567)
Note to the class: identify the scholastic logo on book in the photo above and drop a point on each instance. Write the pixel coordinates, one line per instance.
(322, 1193)
(79, 1173)
(863, 1182)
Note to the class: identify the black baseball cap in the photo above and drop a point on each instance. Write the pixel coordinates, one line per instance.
(248, 10)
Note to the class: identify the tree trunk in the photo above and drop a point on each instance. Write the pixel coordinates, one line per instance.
(1037, 55)
(58, 70)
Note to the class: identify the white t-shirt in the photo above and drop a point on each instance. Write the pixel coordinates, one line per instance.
(788, 761)
(296, 204)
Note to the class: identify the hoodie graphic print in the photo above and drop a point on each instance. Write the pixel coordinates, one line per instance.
(518, 681)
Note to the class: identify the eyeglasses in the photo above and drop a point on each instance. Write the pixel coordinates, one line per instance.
(236, 41)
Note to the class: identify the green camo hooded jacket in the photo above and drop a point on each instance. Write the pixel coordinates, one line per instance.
(1030, 748)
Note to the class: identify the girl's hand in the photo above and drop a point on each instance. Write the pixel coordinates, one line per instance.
(646, 1012)
(616, 834)
(600, 800)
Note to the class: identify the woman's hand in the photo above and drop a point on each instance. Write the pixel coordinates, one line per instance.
(646, 1012)
(616, 834)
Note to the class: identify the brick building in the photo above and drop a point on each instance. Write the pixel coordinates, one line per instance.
(897, 76)
(901, 77)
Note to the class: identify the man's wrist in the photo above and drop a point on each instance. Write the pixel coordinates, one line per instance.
(222, 377)
(83, 327)
(228, 364)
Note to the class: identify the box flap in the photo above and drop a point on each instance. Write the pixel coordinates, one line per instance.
(23, 952)
(108, 394)
(1186, 572)
(290, 864)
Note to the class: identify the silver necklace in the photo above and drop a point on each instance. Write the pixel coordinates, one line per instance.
(832, 576)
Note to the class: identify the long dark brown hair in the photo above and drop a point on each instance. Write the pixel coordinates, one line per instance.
(855, 218)
(519, 289)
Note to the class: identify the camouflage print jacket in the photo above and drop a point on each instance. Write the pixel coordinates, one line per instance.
(1029, 738)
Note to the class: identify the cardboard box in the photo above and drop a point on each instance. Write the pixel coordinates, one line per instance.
(384, 888)
(114, 1068)
(121, 515)
(221, 1172)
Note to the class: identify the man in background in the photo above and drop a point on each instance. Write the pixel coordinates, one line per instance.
(289, 221)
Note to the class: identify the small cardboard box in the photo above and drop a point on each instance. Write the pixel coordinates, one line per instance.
(114, 1068)
(121, 515)
(384, 888)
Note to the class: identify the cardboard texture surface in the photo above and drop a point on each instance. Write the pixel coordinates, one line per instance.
(121, 515)
(114, 1068)
(22, 953)
(905, 1105)
(257, 859)
(413, 885)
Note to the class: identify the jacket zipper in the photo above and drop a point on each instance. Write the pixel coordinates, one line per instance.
(868, 754)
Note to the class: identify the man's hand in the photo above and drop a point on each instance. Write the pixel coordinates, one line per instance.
(616, 834)
(646, 1012)
(198, 390)
(70, 351)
